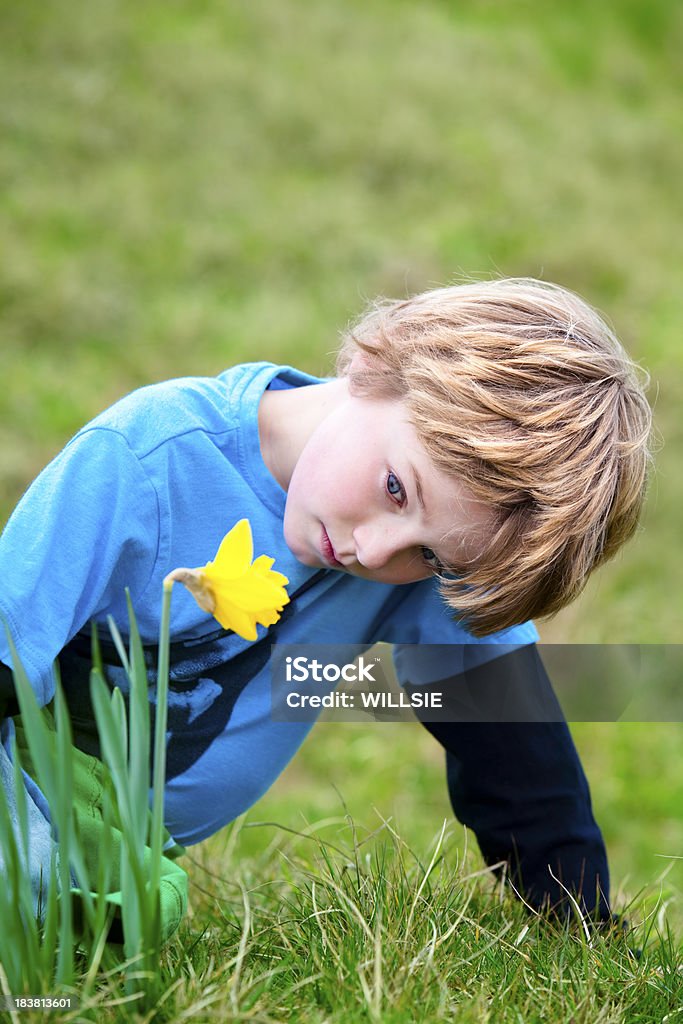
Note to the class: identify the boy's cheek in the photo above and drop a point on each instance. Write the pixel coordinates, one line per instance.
(297, 544)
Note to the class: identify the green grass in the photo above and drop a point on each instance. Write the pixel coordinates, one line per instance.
(346, 922)
(184, 186)
(369, 927)
(64, 948)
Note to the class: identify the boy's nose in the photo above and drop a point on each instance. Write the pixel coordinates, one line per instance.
(375, 546)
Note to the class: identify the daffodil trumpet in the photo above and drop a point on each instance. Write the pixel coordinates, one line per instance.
(240, 591)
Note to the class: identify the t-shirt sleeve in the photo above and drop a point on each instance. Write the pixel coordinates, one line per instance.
(430, 645)
(87, 528)
(514, 775)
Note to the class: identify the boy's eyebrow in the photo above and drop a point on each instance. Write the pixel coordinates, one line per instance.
(420, 497)
(418, 487)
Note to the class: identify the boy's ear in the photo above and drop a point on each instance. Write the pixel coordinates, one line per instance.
(362, 366)
(357, 371)
(368, 376)
(360, 362)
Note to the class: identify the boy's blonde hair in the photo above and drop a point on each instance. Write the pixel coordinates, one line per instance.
(519, 389)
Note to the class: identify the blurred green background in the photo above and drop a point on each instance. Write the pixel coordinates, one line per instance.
(189, 185)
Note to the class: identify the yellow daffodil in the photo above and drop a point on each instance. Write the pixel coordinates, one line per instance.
(237, 591)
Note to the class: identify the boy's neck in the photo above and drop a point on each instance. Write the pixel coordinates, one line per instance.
(288, 417)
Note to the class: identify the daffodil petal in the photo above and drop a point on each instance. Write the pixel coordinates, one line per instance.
(235, 552)
(268, 617)
(234, 618)
(248, 592)
(263, 562)
(262, 565)
(268, 583)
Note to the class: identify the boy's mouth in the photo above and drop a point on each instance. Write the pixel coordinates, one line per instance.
(328, 551)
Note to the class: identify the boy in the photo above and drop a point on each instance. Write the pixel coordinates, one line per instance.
(482, 449)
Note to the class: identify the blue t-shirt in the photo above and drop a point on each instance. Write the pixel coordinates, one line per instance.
(154, 483)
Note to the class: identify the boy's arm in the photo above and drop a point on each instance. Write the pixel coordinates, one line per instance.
(519, 784)
(86, 529)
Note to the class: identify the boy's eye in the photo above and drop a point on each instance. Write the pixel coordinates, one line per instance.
(395, 488)
(430, 558)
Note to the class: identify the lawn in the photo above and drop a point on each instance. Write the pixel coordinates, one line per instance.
(186, 186)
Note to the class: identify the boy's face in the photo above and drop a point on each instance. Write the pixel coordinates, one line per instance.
(364, 497)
